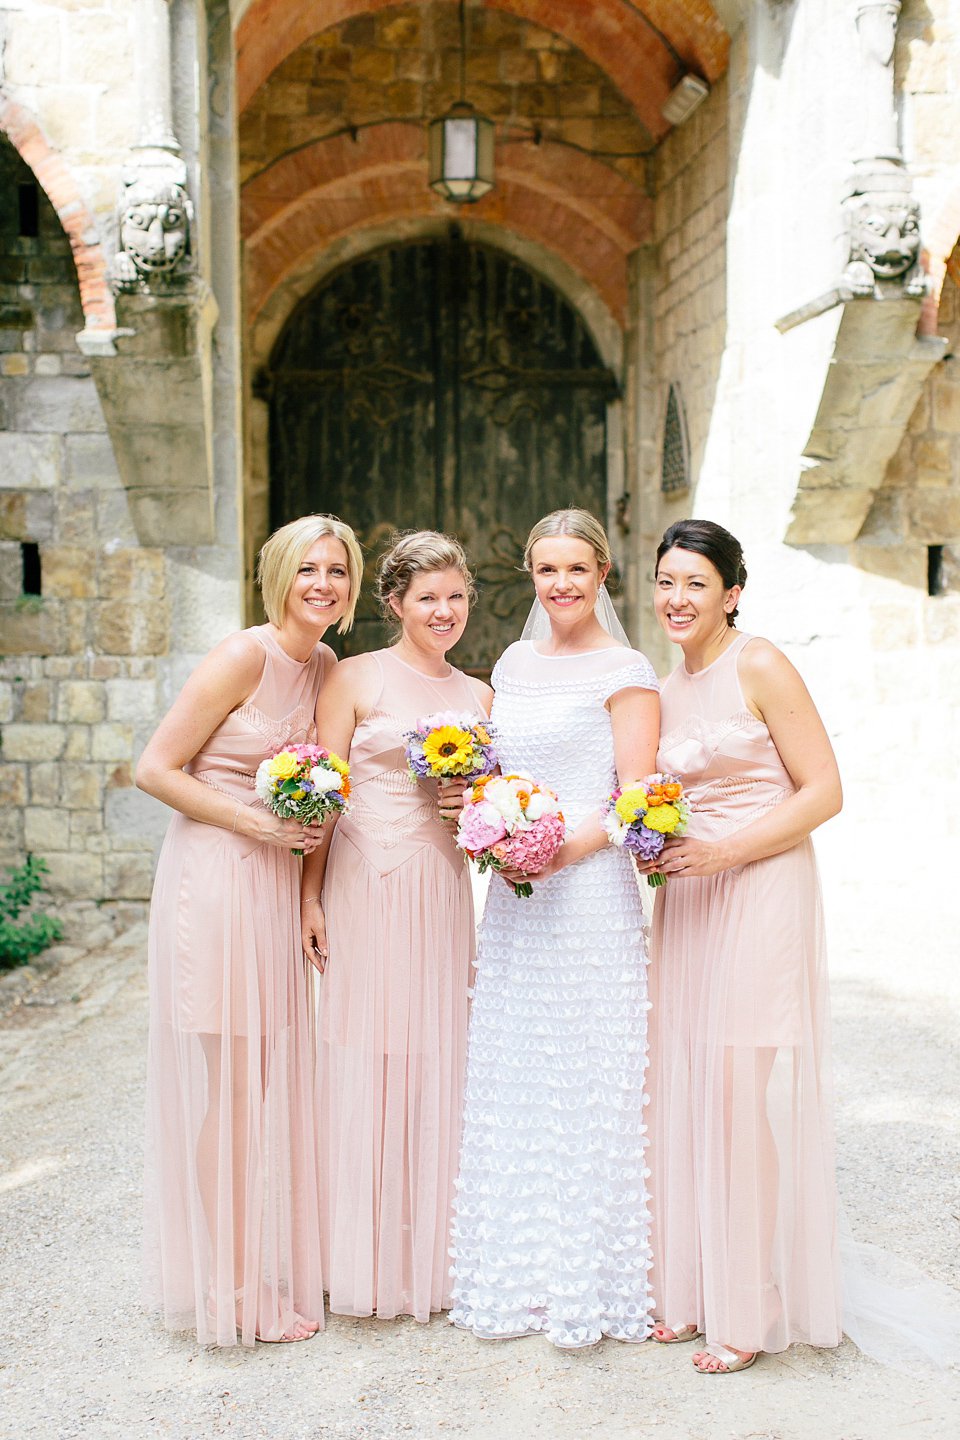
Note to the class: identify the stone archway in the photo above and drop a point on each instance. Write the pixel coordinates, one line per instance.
(440, 384)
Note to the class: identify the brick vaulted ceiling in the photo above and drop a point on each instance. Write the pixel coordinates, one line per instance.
(337, 95)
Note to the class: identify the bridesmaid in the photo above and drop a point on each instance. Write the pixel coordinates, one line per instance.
(397, 921)
(744, 1206)
(231, 1211)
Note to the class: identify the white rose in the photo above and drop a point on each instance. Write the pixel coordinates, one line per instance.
(541, 804)
(263, 784)
(500, 794)
(324, 781)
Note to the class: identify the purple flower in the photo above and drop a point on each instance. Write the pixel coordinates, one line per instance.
(643, 842)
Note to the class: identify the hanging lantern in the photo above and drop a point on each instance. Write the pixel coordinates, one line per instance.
(461, 154)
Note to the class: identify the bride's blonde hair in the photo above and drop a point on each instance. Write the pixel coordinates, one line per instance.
(579, 524)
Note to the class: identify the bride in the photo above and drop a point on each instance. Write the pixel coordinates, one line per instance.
(551, 1232)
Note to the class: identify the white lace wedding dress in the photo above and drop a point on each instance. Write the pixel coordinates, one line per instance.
(551, 1231)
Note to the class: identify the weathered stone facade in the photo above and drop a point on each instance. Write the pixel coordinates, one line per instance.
(831, 445)
(79, 675)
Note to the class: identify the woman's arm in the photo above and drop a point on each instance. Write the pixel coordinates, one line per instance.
(346, 697)
(776, 694)
(222, 681)
(635, 715)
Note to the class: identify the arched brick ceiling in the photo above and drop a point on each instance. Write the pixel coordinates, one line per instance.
(572, 204)
(643, 45)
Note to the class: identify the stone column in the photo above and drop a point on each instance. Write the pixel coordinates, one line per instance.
(877, 29)
(152, 75)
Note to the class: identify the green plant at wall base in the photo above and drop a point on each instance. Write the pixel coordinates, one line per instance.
(19, 942)
(30, 604)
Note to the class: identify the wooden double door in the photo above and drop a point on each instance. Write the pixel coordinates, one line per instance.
(439, 385)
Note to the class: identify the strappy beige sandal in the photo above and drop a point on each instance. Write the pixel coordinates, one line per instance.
(681, 1333)
(730, 1359)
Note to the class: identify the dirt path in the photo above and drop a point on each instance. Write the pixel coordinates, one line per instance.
(78, 1358)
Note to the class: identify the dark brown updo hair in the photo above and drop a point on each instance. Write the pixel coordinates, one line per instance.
(418, 552)
(715, 544)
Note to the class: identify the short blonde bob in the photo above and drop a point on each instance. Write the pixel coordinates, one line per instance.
(579, 524)
(418, 552)
(282, 556)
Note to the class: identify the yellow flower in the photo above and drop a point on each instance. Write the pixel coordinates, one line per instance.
(447, 748)
(664, 818)
(341, 766)
(632, 803)
(283, 766)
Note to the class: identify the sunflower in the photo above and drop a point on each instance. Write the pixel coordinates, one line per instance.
(448, 749)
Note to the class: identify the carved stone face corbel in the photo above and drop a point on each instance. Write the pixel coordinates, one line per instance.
(154, 220)
(884, 234)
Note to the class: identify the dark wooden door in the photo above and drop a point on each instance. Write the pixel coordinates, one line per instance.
(439, 385)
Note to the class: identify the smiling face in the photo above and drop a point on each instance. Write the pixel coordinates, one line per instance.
(567, 576)
(321, 590)
(691, 602)
(433, 610)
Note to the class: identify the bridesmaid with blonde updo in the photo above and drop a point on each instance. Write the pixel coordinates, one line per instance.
(387, 908)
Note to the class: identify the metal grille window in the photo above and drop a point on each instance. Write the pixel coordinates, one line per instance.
(675, 465)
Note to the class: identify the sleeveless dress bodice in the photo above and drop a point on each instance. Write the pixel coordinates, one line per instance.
(731, 769)
(279, 712)
(391, 814)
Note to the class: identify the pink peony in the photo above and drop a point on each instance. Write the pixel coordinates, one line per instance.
(530, 850)
(481, 825)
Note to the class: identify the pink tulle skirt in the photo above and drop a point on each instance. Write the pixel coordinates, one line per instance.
(231, 1229)
(741, 1127)
(390, 1060)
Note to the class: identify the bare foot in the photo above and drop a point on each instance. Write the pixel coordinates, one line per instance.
(300, 1330)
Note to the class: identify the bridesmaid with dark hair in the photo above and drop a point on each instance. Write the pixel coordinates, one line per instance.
(741, 1130)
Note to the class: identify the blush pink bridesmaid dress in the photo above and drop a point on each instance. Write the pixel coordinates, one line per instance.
(231, 1232)
(741, 1130)
(392, 1025)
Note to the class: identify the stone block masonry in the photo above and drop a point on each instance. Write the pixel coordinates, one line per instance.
(79, 684)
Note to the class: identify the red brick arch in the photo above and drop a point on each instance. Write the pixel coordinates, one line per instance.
(572, 205)
(24, 133)
(643, 45)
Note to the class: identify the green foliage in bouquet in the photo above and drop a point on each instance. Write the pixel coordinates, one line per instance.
(19, 942)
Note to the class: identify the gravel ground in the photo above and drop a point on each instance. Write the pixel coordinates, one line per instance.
(78, 1358)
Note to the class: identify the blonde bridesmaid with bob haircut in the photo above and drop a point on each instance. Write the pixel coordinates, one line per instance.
(231, 1233)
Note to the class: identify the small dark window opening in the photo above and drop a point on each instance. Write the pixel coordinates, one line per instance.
(675, 460)
(934, 569)
(29, 209)
(31, 567)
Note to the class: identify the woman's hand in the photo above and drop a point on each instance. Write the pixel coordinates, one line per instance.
(313, 932)
(269, 829)
(451, 798)
(559, 862)
(686, 858)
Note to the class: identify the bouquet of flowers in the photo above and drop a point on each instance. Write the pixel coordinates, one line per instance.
(305, 783)
(510, 821)
(449, 745)
(639, 817)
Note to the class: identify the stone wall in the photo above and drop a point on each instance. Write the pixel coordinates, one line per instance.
(918, 505)
(78, 678)
(680, 297)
